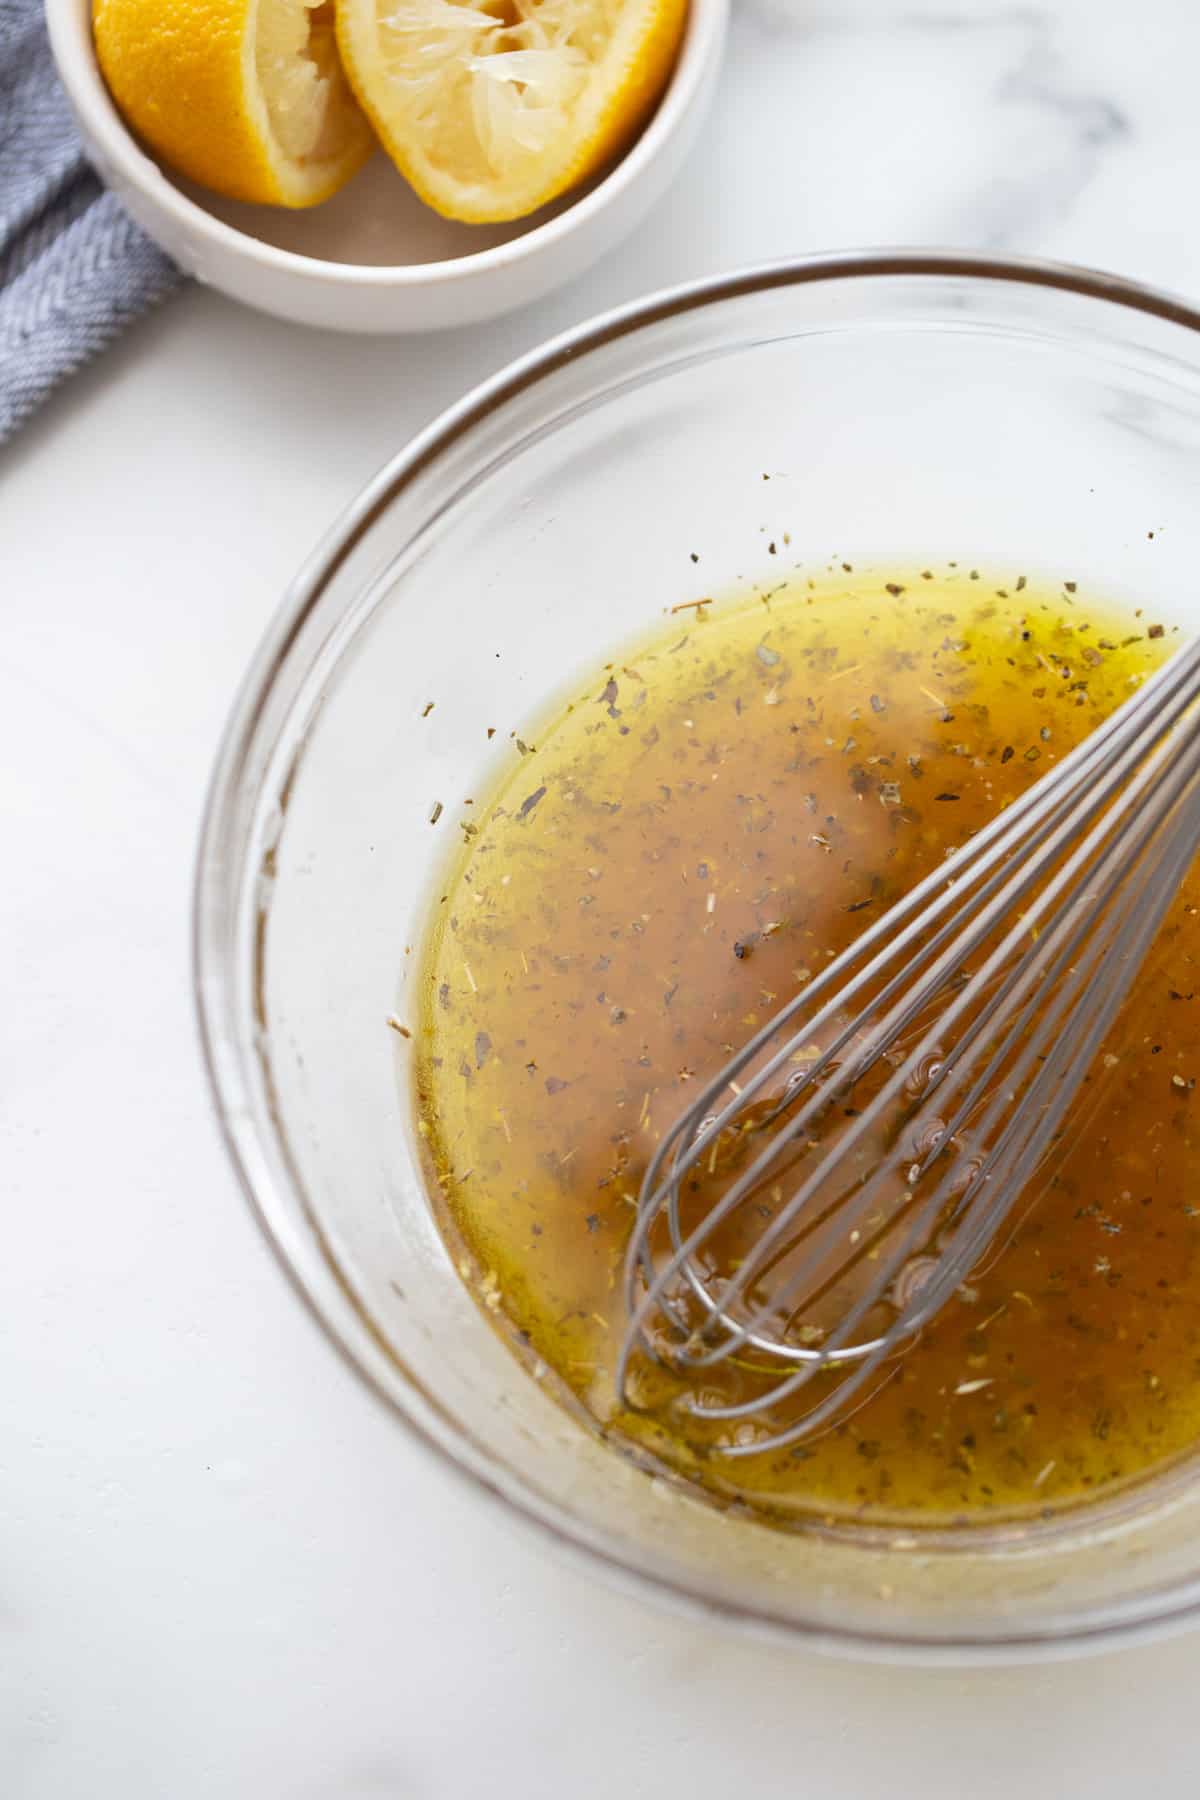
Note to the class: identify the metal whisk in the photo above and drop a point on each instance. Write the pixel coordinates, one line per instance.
(865, 1149)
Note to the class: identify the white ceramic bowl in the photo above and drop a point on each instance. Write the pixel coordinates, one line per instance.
(374, 258)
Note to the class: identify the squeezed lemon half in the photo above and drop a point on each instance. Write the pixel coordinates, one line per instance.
(493, 109)
(247, 97)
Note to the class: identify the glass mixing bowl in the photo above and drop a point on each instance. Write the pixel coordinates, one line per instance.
(889, 407)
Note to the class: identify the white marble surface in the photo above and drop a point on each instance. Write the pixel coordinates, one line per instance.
(222, 1572)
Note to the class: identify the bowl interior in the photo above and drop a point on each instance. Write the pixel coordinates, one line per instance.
(376, 221)
(890, 409)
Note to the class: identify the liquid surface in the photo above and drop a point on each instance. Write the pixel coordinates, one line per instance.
(671, 858)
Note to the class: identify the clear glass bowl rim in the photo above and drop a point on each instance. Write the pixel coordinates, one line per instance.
(1171, 1607)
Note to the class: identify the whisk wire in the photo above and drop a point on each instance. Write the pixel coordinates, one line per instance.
(1060, 898)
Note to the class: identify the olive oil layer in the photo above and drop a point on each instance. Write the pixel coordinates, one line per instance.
(688, 841)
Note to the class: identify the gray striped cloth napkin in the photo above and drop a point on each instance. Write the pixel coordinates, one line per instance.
(74, 269)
